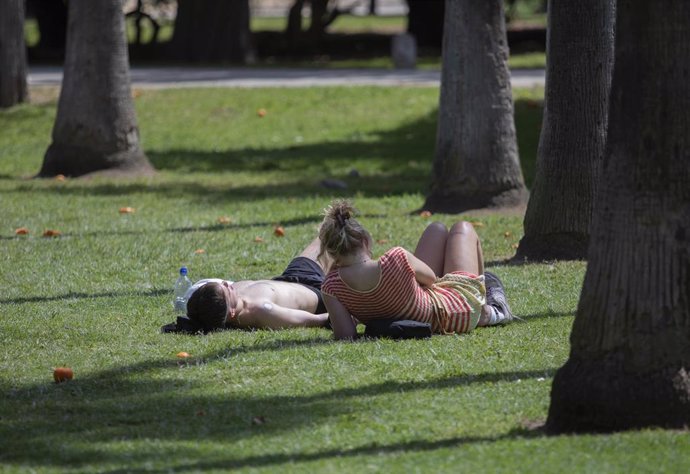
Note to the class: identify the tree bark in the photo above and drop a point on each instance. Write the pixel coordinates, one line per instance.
(212, 30)
(13, 88)
(96, 127)
(629, 360)
(476, 163)
(571, 148)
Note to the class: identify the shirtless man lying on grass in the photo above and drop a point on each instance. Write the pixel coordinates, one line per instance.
(292, 299)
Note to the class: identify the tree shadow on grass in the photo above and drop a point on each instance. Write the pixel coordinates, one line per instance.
(142, 403)
(397, 161)
(75, 295)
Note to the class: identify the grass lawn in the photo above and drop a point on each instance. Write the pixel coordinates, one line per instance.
(95, 297)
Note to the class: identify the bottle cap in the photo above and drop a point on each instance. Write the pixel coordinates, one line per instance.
(183, 271)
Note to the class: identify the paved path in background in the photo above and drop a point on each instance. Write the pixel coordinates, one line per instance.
(172, 77)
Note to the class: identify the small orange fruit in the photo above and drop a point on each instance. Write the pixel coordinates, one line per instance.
(60, 177)
(261, 112)
(21, 231)
(279, 231)
(62, 374)
(199, 251)
(182, 355)
(51, 233)
(127, 210)
(425, 214)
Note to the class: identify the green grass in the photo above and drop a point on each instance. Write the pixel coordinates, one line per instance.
(288, 401)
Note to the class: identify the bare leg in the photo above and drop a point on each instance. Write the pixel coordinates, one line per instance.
(431, 246)
(312, 252)
(463, 250)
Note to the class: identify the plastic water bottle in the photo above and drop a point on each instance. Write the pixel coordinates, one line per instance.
(182, 284)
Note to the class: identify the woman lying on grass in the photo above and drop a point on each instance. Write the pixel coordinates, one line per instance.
(401, 285)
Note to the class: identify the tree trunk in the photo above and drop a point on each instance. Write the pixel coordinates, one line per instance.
(630, 352)
(51, 17)
(13, 88)
(317, 27)
(212, 30)
(476, 163)
(96, 127)
(573, 136)
(425, 22)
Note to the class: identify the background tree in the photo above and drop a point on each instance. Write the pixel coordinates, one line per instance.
(51, 18)
(13, 88)
(476, 163)
(629, 363)
(96, 127)
(571, 147)
(425, 19)
(212, 30)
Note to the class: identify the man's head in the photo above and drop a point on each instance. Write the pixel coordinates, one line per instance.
(212, 305)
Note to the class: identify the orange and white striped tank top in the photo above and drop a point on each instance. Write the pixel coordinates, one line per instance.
(452, 304)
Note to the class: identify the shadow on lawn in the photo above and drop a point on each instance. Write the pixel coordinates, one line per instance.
(45, 424)
(400, 160)
(73, 295)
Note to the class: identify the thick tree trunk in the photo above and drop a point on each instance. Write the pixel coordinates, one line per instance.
(573, 136)
(630, 356)
(212, 30)
(96, 127)
(476, 163)
(13, 88)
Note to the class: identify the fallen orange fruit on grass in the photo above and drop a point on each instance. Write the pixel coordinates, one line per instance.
(199, 251)
(60, 177)
(127, 210)
(261, 112)
(279, 231)
(182, 355)
(62, 374)
(51, 233)
(21, 231)
(425, 214)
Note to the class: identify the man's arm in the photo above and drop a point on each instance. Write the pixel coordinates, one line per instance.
(341, 320)
(272, 316)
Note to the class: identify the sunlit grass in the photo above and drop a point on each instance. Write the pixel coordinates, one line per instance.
(95, 297)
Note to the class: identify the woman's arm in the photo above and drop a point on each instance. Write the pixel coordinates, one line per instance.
(341, 321)
(423, 273)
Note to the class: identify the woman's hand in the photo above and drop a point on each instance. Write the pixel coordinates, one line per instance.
(424, 275)
(343, 325)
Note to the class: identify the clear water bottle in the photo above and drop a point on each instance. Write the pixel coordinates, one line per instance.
(182, 284)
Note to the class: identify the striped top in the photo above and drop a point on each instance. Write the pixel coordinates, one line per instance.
(398, 295)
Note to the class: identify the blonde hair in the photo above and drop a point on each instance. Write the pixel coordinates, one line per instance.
(340, 233)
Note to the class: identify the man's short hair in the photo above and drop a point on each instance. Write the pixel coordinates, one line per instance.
(208, 307)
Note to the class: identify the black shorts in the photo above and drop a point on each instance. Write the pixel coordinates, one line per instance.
(306, 272)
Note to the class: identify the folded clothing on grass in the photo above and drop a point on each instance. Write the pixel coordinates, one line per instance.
(397, 329)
